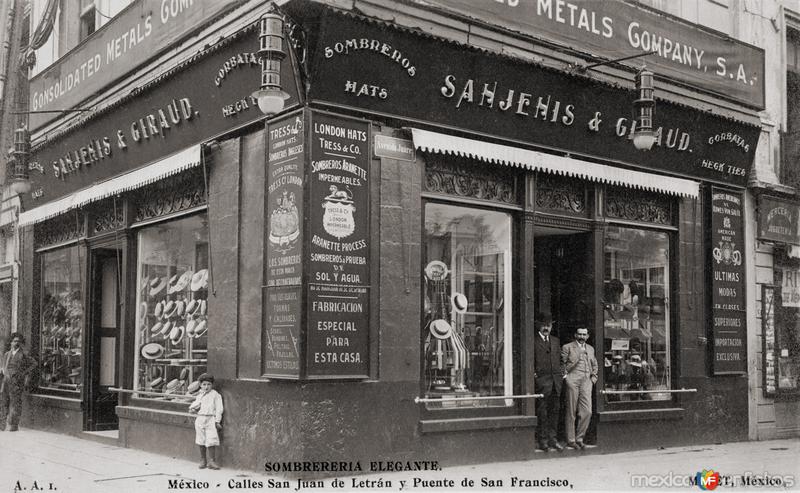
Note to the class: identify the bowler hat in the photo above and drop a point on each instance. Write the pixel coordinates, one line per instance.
(542, 319)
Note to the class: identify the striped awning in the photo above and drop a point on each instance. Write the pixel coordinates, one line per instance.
(434, 142)
(174, 164)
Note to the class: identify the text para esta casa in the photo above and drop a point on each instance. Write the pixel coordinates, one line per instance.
(155, 124)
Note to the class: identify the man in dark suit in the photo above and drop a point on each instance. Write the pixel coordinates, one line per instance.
(579, 366)
(547, 381)
(14, 367)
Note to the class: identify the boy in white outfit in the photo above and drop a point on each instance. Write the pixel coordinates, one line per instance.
(208, 406)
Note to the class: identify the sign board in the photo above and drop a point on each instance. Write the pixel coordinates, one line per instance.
(395, 73)
(198, 102)
(394, 148)
(682, 51)
(339, 240)
(728, 310)
(286, 152)
(140, 32)
(778, 220)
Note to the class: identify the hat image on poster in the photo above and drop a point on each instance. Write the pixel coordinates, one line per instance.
(459, 302)
(441, 329)
(157, 285)
(152, 350)
(199, 280)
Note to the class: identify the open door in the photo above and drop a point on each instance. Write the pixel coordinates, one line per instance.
(104, 339)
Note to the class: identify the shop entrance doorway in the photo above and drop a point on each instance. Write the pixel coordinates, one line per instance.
(103, 340)
(564, 289)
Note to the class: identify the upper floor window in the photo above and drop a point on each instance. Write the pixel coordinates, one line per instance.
(69, 23)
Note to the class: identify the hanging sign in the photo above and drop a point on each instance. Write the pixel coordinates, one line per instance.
(284, 242)
(728, 311)
(778, 220)
(680, 50)
(390, 72)
(195, 103)
(338, 257)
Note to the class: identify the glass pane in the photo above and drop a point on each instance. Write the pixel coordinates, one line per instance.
(636, 316)
(467, 324)
(171, 300)
(62, 320)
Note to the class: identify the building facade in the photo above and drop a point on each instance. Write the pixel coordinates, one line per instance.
(361, 270)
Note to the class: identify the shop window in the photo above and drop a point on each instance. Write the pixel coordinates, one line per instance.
(636, 344)
(781, 325)
(62, 313)
(467, 314)
(172, 311)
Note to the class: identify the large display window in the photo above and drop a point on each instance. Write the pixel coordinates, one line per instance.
(172, 308)
(636, 344)
(62, 315)
(781, 324)
(467, 313)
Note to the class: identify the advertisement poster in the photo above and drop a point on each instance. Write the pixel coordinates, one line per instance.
(338, 252)
(284, 243)
(729, 315)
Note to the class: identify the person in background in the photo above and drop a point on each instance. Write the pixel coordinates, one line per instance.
(579, 367)
(547, 381)
(16, 369)
(208, 407)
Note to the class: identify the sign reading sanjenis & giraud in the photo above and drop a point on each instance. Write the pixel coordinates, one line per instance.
(728, 311)
(387, 71)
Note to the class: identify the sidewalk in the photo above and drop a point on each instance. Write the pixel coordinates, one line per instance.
(32, 459)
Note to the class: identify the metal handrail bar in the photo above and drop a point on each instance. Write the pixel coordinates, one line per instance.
(663, 391)
(417, 400)
(144, 392)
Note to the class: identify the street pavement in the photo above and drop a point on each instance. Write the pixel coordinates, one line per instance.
(37, 461)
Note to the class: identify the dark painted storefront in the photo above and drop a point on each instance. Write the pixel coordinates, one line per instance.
(376, 255)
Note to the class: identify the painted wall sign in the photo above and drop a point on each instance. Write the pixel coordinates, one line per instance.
(470, 89)
(394, 148)
(728, 311)
(188, 107)
(338, 248)
(682, 51)
(284, 245)
(137, 34)
(778, 220)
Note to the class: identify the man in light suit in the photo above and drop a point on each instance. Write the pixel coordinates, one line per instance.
(14, 367)
(547, 380)
(579, 367)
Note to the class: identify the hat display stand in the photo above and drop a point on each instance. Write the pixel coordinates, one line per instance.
(61, 337)
(445, 351)
(182, 309)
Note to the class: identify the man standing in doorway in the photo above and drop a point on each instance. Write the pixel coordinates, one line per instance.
(16, 366)
(579, 367)
(547, 380)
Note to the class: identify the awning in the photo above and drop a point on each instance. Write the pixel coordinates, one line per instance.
(538, 161)
(174, 164)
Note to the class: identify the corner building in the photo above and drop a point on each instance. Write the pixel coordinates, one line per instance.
(361, 270)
